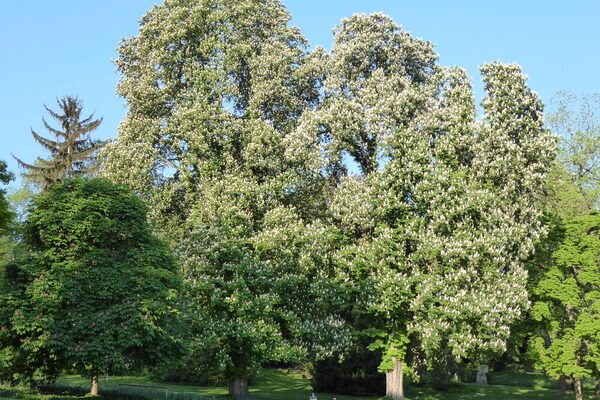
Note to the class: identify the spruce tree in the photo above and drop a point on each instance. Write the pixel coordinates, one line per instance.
(72, 154)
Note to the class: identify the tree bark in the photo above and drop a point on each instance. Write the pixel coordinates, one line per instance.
(577, 388)
(238, 387)
(394, 386)
(562, 382)
(597, 388)
(94, 386)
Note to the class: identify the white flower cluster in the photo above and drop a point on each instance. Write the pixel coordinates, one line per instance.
(443, 225)
(236, 136)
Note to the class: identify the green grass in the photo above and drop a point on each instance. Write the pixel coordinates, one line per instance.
(531, 379)
(288, 385)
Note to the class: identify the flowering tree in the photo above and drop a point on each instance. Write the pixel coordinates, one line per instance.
(214, 91)
(241, 156)
(97, 294)
(448, 206)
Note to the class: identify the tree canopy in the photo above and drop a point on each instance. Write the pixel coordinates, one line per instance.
(237, 136)
(98, 292)
(568, 303)
(447, 208)
(214, 95)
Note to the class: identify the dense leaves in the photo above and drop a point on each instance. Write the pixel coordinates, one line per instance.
(6, 214)
(237, 137)
(448, 207)
(214, 91)
(568, 302)
(98, 292)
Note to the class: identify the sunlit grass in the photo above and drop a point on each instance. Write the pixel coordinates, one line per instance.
(283, 385)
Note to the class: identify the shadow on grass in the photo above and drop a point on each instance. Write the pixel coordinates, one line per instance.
(269, 385)
(489, 392)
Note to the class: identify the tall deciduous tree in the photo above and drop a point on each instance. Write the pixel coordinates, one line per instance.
(568, 302)
(448, 208)
(98, 294)
(72, 154)
(574, 187)
(214, 92)
(228, 138)
(572, 195)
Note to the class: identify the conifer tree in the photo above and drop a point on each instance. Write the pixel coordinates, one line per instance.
(72, 154)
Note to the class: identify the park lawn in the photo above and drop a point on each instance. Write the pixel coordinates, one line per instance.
(271, 385)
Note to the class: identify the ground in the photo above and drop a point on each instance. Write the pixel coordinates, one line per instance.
(289, 385)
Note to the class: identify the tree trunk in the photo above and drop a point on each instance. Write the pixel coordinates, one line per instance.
(238, 387)
(577, 388)
(597, 388)
(481, 377)
(94, 386)
(562, 382)
(394, 386)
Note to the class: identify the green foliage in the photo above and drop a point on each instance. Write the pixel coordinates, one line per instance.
(215, 95)
(73, 154)
(436, 231)
(568, 302)
(236, 136)
(11, 245)
(577, 121)
(98, 292)
(6, 215)
(249, 295)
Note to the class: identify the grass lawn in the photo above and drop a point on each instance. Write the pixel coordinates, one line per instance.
(286, 385)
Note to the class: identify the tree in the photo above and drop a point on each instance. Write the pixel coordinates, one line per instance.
(11, 241)
(448, 207)
(6, 217)
(5, 213)
(214, 93)
(72, 154)
(568, 301)
(240, 152)
(574, 185)
(571, 194)
(97, 294)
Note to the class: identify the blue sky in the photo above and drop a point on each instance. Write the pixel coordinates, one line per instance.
(52, 48)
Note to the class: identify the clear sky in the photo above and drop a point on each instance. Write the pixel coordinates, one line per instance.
(52, 48)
